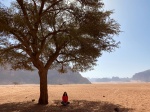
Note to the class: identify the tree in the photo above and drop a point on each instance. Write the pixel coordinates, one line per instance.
(45, 34)
(15, 83)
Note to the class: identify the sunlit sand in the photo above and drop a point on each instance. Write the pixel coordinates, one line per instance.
(103, 97)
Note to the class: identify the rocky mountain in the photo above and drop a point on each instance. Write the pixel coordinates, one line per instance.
(28, 77)
(142, 76)
(113, 79)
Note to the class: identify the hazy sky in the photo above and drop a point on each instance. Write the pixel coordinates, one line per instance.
(134, 53)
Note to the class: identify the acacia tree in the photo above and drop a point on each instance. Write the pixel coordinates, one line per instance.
(45, 34)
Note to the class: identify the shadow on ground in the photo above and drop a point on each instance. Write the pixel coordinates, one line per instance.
(75, 106)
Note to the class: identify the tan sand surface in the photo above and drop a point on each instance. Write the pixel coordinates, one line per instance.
(102, 97)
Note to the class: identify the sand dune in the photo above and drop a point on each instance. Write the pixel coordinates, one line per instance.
(128, 97)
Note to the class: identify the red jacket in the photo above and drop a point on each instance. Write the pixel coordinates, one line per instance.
(65, 98)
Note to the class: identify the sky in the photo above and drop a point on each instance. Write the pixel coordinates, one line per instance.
(133, 55)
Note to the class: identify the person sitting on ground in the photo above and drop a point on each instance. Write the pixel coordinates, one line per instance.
(65, 99)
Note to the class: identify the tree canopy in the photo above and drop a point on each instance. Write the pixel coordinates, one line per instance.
(55, 32)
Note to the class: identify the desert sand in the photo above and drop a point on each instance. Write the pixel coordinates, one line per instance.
(102, 97)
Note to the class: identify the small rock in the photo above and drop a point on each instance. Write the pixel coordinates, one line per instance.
(33, 100)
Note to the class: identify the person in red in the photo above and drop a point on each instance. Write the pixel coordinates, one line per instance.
(65, 99)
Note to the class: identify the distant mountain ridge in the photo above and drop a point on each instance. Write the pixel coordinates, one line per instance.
(113, 79)
(28, 77)
(143, 76)
(54, 77)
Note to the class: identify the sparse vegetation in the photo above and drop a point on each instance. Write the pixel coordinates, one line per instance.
(15, 83)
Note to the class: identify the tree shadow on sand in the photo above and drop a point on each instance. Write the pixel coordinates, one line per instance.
(74, 106)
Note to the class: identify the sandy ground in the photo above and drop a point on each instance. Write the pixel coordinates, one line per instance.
(125, 97)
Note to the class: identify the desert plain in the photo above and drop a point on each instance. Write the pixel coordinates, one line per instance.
(97, 97)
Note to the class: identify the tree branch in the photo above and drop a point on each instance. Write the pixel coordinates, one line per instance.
(42, 6)
(35, 7)
(51, 6)
(10, 48)
(20, 2)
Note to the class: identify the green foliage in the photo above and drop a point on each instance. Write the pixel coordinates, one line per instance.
(44, 34)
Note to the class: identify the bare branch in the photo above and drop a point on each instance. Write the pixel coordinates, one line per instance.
(42, 6)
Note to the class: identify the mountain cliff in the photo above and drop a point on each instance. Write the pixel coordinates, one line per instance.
(142, 76)
(28, 77)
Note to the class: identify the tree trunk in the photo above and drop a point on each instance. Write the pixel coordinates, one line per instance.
(43, 100)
